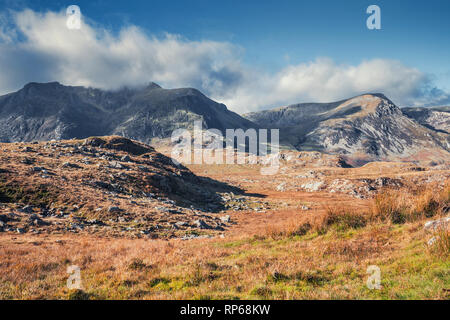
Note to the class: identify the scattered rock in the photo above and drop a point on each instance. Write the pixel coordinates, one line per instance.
(95, 222)
(312, 186)
(435, 225)
(432, 241)
(103, 185)
(27, 161)
(114, 210)
(78, 226)
(116, 165)
(70, 165)
(143, 168)
(201, 224)
(281, 187)
(181, 224)
(27, 209)
(193, 236)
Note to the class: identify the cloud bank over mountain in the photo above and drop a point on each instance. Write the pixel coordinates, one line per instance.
(39, 47)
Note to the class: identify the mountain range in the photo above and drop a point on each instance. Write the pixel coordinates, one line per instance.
(367, 127)
(46, 111)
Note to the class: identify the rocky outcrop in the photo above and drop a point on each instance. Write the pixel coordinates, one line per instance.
(107, 186)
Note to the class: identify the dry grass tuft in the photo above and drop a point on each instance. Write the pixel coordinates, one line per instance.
(400, 206)
(339, 218)
(138, 264)
(343, 218)
(441, 246)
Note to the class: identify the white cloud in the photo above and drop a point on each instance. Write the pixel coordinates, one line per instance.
(323, 80)
(93, 56)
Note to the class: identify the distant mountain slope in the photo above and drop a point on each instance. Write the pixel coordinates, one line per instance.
(367, 126)
(45, 111)
(436, 118)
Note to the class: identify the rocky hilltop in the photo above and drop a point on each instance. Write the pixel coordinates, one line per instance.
(108, 186)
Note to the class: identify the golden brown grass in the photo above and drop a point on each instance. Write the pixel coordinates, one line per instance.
(400, 206)
(392, 206)
(294, 266)
(287, 253)
(441, 245)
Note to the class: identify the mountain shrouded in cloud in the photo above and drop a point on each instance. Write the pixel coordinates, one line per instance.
(46, 111)
(39, 47)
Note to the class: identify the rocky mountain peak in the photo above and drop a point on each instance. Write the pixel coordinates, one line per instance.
(152, 85)
(375, 104)
(369, 126)
(52, 84)
(36, 87)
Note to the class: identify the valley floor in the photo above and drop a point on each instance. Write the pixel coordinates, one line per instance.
(305, 245)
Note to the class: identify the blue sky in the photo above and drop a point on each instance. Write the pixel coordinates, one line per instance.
(270, 36)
